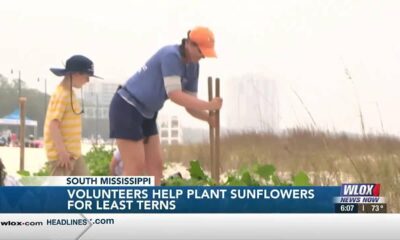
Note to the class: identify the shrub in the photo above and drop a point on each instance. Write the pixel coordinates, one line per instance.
(98, 160)
(256, 175)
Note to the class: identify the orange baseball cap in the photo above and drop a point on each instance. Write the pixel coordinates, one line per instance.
(204, 38)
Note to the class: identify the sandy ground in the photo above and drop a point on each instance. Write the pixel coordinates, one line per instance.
(35, 158)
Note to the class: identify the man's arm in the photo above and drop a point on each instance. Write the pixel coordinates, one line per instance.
(55, 132)
(191, 102)
(63, 154)
(202, 115)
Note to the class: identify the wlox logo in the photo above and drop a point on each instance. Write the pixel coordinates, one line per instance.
(11, 223)
(19, 223)
(372, 189)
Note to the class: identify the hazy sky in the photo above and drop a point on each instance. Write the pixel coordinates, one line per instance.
(304, 46)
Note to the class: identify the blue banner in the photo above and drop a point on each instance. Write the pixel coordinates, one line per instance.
(168, 199)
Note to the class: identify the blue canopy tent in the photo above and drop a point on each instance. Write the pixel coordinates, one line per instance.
(13, 119)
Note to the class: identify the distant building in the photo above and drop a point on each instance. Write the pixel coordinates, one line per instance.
(96, 103)
(98, 95)
(170, 130)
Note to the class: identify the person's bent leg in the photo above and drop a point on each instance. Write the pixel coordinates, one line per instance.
(126, 127)
(132, 155)
(80, 168)
(56, 170)
(153, 158)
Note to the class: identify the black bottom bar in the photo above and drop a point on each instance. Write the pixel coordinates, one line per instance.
(346, 208)
(372, 208)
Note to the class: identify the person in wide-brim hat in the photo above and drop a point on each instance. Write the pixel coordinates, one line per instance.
(76, 64)
(63, 123)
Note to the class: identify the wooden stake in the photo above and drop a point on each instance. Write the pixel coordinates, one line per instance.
(210, 97)
(22, 101)
(217, 135)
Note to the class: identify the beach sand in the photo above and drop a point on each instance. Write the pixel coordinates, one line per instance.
(35, 158)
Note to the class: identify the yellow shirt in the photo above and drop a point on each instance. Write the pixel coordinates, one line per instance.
(70, 123)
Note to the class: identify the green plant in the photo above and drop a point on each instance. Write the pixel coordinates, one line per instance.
(31, 180)
(257, 175)
(44, 171)
(98, 160)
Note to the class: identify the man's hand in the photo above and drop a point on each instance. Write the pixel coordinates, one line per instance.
(65, 160)
(216, 103)
(212, 119)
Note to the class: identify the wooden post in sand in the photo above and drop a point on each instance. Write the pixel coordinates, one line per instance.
(210, 97)
(214, 133)
(22, 110)
(217, 135)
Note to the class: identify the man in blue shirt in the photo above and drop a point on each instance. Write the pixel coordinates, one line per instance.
(172, 72)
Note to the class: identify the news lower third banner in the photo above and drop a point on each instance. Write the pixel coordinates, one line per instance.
(139, 195)
(108, 199)
(133, 208)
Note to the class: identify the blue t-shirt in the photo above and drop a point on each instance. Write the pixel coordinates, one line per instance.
(145, 89)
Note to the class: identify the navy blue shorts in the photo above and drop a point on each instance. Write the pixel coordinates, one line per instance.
(126, 122)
